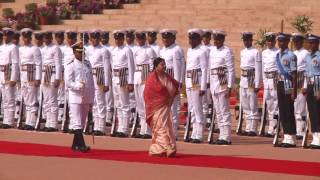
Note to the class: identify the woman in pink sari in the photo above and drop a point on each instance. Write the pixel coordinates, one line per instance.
(160, 90)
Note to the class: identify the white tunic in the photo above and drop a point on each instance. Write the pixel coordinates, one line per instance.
(143, 55)
(51, 55)
(30, 54)
(251, 59)
(122, 57)
(301, 58)
(9, 54)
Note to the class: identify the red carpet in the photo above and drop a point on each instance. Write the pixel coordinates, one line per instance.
(227, 162)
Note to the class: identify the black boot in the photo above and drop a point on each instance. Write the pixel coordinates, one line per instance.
(82, 145)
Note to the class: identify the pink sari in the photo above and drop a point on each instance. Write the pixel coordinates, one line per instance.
(159, 93)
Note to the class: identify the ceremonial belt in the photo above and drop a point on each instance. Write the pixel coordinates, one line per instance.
(31, 71)
(122, 74)
(6, 69)
(194, 75)
(48, 71)
(271, 74)
(250, 75)
(170, 72)
(144, 69)
(99, 73)
(221, 72)
(300, 79)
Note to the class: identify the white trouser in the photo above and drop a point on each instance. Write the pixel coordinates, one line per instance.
(30, 98)
(300, 111)
(50, 105)
(223, 115)
(78, 115)
(132, 100)
(207, 100)
(99, 108)
(250, 108)
(61, 95)
(121, 101)
(271, 99)
(17, 99)
(109, 104)
(9, 107)
(195, 107)
(175, 108)
(138, 90)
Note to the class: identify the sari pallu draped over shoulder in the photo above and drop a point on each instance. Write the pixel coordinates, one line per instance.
(158, 93)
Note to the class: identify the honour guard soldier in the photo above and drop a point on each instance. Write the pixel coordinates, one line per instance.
(109, 94)
(16, 38)
(38, 39)
(99, 58)
(68, 55)
(196, 82)
(79, 81)
(313, 91)
(300, 102)
(51, 77)
(175, 64)
(250, 82)
(143, 59)
(152, 38)
(59, 37)
(9, 70)
(130, 43)
(222, 78)
(122, 81)
(30, 74)
(207, 98)
(286, 87)
(270, 76)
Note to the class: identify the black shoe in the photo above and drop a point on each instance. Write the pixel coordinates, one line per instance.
(312, 146)
(196, 141)
(242, 133)
(287, 145)
(188, 140)
(71, 131)
(121, 135)
(139, 136)
(28, 128)
(299, 137)
(50, 129)
(251, 133)
(6, 126)
(146, 136)
(82, 149)
(45, 129)
(98, 133)
(108, 124)
(222, 142)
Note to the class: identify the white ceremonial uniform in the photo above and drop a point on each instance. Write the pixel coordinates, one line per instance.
(196, 81)
(122, 63)
(30, 71)
(300, 102)
(156, 48)
(222, 58)
(9, 61)
(109, 94)
(51, 57)
(175, 64)
(250, 60)
(80, 96)
(143, 59)
(132, 98)
(207, 98)
(270, 70)
(99, 58)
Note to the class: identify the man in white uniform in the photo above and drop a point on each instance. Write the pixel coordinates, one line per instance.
(122, 81)
(79, 82)
(222, 77)
(250, 82)
(30, 75)
(51, 78)
(143, 59)
(300, 102)
(99, 58)
(9, 74)
(196, 82)
(175, 64)
(270, 74)
(152, 38)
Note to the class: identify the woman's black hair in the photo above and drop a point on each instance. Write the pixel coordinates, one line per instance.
(156, 62)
